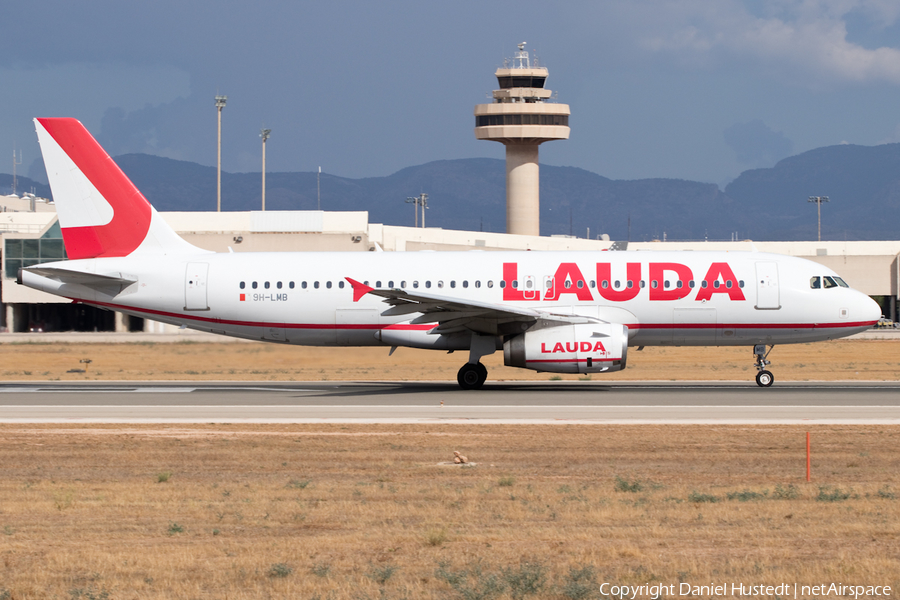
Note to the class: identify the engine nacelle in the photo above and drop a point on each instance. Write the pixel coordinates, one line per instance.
(590, 348)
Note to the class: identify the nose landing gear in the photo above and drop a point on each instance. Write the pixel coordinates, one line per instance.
(764, 378)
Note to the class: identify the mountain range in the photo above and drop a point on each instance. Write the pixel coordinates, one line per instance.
(862, 182)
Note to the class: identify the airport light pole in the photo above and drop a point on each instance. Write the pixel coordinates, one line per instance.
(220, 104)
(264, 134)
(819, 200)
(420, 200)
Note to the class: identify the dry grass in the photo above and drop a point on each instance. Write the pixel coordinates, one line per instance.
(306, 511)
(841, 360)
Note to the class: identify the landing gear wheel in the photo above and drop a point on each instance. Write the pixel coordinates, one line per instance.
(471, 377)
(765, 379)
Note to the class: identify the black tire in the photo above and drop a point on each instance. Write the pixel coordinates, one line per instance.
(765, 379)
(471, 377)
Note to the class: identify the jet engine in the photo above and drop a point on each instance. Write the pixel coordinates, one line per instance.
(583, 348)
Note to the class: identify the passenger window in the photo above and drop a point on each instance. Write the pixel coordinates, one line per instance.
(465, 283)
(266, 285)
(291, 285)
(303, 285)
(666, 283)
(242, 285)
(593, 284)
(328, 284)
(316, 285)
(415, 284)
(478, 283)
(654, 284)
(716, 284)
(604, 284)
(741, 283)
(502, 284)
(403, 284)
(617, 284)
(341, 284)
(440, 284)
(453, 283)
(580, 284)
(253, 285)
(428, 284)
(391, 284)
(515, 284)
(377, 284)
(567, 284)
(704, 284)
(728, 284)
(630, 284)
(490, 283)
(278, 285)
(691, 284)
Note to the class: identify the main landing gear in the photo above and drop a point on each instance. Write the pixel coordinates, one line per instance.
(472, 376)
(764, 378)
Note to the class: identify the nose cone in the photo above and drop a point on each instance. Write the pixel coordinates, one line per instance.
(868, 310)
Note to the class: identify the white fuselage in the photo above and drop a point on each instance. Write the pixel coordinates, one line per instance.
(664, 298)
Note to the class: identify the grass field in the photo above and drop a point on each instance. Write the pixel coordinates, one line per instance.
(306, 511)
(366, 511)
(836, 360)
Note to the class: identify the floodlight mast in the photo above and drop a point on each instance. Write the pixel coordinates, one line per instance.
(220, 104)
(819, 200)
(264, 134)
(420, 200)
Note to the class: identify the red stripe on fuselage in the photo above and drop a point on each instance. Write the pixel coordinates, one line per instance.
(429, 326)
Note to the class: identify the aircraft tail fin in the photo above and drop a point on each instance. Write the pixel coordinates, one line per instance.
(101, 213)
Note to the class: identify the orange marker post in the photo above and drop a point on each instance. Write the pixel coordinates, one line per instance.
(807, 456)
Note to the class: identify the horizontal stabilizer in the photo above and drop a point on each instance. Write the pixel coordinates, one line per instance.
(91, 280)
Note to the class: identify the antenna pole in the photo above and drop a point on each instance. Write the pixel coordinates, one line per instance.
(19, 162)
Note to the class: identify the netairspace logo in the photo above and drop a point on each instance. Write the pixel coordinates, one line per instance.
(713, 590)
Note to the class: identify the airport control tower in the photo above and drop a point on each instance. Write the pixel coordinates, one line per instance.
(522, 118)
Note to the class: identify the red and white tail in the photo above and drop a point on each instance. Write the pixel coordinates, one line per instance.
(101, 213)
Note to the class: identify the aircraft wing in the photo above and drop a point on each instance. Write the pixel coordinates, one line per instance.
(454, 315)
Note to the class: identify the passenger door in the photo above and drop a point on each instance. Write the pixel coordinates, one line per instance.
(767, 294)
(195, 297)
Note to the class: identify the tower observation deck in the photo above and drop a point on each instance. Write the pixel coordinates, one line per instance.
(522, 117)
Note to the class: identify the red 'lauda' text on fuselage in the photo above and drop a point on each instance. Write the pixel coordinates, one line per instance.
(719, 279)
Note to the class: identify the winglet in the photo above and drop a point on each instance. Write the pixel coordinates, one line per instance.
(359, 289)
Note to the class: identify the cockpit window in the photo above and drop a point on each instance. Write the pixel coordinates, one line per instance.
(841, 282)
(829, 282)
(815, 282)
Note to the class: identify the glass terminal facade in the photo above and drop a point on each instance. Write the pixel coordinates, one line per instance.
(19, 253)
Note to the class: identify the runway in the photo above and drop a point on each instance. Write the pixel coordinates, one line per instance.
(442, 402)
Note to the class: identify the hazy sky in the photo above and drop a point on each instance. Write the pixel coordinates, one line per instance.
(691, 89)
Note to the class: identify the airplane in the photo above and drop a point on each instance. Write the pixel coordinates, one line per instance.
(555, 312)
